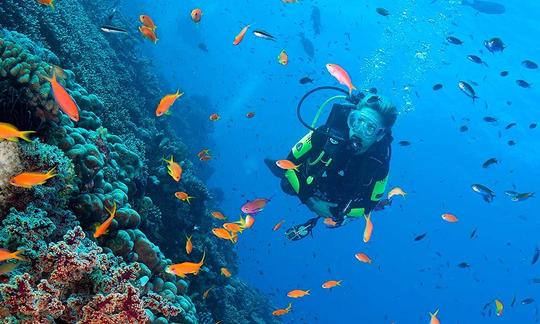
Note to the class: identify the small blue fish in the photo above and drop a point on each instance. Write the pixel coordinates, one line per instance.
(494, 44)
(484, 191)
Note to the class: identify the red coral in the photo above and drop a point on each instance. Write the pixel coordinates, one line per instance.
(42, 304)
(115, 308)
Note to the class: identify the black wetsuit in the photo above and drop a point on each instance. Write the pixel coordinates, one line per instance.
(353, 181)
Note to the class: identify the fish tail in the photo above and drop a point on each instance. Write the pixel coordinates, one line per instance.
(51, 173)
(339, 283)
(168, 161)
(24, 135)
(434, 314)
(296, 167)
(16, 255)
(203, 256)
(111, 211)
(289, 307)
(307, 292)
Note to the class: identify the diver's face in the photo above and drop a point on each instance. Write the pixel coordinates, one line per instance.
(366, 126)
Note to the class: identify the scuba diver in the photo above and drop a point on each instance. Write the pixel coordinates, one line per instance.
(343, 165)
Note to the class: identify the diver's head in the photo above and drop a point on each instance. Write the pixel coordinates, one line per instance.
(372, 119)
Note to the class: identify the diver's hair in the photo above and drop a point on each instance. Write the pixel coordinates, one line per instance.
(383, 106)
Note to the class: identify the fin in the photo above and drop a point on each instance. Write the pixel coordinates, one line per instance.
(18, 257)
(203, 256)
(12, 139)
(24, 135)
(51, 173)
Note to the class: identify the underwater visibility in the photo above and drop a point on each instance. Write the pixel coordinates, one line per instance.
(283, 161)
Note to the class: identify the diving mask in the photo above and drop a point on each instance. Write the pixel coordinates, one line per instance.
(364, 123)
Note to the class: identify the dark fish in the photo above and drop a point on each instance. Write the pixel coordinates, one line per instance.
(437, 86)
(202, 47)
(306, 80)
(467, 89)
(484, 191)
(511, 142)
(529, 64)
(494, 45)
(454, 40)
(372, 90)
(473, 233)
(489, 162)
(513, 301)
(487, 7)
(532, 126)
(523, 83)
(489, 119)
(504, 73)
(404, 143)
(535, 256)
(463, 128)
(511, 193)
(383, 12)
(307, 45)
(113, 29)
(316, 20)
(510, 125)
(527, 301)
(464, 265)
(535, 280)
(264, 35)
(522, 196)
(476, 59)
(420, 237)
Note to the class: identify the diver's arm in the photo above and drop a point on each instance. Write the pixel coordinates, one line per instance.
(365, 198)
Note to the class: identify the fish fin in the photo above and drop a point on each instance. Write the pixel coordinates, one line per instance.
(18, 257)
(434, 314)
(13, 139)
(339, 282)
(51, 173)
(168, 161)
(24, 135)
(203, 256)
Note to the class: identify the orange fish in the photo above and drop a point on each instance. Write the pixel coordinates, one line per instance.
(341, 75)
(49, 3)
(149, 34)
(246, 222)
(331, 284)
(254, 206)
(250, 114)
(174, 169)
(396, 191)
(214, 117)
(233, 228)
(166, 102)
(7, 255)
(278, 225)
(218, 215)
(283, 311)
(29, 179)
(434, 319)
(224, 234)
(283, 58)
(240, 35)
(189, 245)
(329, 222)
(206, 292)
(449, 218)
(368, 229)
(183, 196)
(297, 293)
(184, 268)
(63, 99)
(196, 15)
(12, 133)
(287, 165)
(225, 272)
(363, 257)
(147, 22)
(102, 229)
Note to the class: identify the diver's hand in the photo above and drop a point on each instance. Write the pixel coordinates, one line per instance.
(320, 207)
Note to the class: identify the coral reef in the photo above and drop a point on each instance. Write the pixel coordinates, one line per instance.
(111, 155)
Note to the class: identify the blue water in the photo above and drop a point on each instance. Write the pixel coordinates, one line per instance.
(403, 55)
